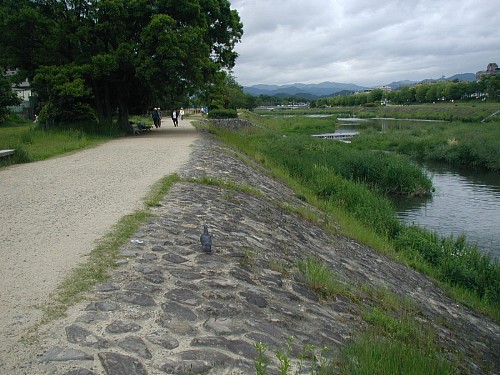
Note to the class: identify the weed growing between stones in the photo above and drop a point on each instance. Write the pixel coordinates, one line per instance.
(160, 189)
(311, 359)
(320, 280)
(396, 340)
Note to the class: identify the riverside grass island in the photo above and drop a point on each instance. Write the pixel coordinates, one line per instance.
(343, 136)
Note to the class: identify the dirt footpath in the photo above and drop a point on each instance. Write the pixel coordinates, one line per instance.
(53, 211)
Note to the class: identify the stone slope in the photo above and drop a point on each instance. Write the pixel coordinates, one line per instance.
(169, 308)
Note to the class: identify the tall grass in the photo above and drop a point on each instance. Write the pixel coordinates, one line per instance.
(463, 144)
(454, 262)
(32, 143)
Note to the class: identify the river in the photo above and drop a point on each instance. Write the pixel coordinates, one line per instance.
(464, 202)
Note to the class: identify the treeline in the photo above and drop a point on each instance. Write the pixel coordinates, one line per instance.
(488, 88)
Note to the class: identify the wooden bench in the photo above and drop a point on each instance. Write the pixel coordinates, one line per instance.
(138, 130)
(6, 152)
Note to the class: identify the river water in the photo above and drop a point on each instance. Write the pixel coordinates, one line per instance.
(464, 202)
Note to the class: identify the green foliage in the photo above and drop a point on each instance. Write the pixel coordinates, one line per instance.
(318, 277)
(226, 93)
(118, 53)
(222, 113)
(487, 88)
(475, 145)
(456, 262)
(7, 97)
(33, 143)
(380, 356)
(261, 361)
(395, 342)
(317, 362)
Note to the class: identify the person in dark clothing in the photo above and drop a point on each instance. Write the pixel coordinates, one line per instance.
(175, 118)
(156, 117)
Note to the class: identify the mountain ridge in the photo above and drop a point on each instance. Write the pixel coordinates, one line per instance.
(327, 88)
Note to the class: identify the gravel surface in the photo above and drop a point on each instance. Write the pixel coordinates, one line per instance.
(53, 211)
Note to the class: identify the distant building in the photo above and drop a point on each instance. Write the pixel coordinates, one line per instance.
(492, 68)
(23, 91)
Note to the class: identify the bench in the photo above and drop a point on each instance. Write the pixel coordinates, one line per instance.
(6, 152)
(141, 128)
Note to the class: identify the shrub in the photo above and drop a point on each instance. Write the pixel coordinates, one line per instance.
(456, 262)
(222, 113)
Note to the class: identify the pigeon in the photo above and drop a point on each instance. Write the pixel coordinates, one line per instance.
(206, 240)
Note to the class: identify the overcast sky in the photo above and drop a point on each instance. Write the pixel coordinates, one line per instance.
(366, 42)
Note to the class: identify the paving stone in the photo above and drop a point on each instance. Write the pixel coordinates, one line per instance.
(242, 348)
(173, 309)
(211, 356)
(65, 354)
(120, 327)
(107, 287)
(174, 258)
(137, 286)
(79, 335)
(255, 299)
(141, 299)
(158, 248)
(135, 345)
(155, 278)
(184, 274)
(304, 292)
(80, 371)
(186, 367)
(184, 296)
(106, 306)
(120, 364)
(163, 339)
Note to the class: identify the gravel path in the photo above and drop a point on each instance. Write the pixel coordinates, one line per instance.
(53, 211)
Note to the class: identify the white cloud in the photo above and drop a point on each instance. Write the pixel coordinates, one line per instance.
(366, 42)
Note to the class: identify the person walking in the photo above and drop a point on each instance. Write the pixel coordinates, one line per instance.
(174, 118)
(182, 114)
(156, 117)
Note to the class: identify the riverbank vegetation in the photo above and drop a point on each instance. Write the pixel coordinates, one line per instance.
(353, 182)
(460, 139)
(32, 143)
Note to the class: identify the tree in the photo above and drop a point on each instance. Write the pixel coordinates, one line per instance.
(154, 51)
(7, 97)
(490, 84)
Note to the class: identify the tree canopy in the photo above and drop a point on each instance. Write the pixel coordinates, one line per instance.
(90, 57)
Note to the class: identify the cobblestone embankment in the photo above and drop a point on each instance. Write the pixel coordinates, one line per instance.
(169, 308)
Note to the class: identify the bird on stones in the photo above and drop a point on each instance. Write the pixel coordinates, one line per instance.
(206, 240)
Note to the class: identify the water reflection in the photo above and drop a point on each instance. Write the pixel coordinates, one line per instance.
(464, 202)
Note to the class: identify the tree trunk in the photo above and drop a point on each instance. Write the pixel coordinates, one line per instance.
(123, 117)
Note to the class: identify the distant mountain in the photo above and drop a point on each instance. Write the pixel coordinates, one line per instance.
(467, 77)
(329, 89)
(398, 84)
(302, 89)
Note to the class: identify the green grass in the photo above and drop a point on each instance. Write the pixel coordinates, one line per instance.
(33, 143)
(318, 277)
(394, 342)
(473, 145)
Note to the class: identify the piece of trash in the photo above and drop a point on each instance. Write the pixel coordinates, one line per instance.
(137, 241)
